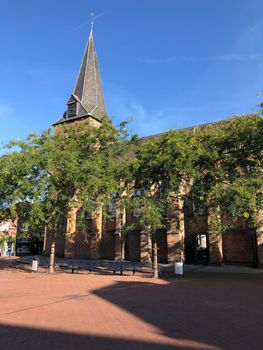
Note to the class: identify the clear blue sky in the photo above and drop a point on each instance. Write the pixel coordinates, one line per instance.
(167, 63)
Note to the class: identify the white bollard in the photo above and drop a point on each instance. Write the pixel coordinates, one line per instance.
(179, 268)
(35, 263)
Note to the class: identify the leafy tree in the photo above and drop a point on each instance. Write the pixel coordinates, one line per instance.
(76, 167)
(229, 168)
(220, 164)
(163, 168)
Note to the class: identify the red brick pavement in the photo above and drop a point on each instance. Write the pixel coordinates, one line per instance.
(80, 311)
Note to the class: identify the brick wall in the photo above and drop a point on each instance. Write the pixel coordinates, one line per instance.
(238, 247)
(133, 246)
(108, 245)
(82, 246)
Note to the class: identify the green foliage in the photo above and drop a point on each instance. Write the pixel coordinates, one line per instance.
(229, 169)
(44, 176)
(48, 174)
(150, 211)
(5, 238)
(220, 164)
(163, 162)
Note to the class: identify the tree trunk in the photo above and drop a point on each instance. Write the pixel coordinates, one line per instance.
(45, 239)
(176, 226)
(51, 266)
(120, 241)
(150, 247)
(155, 261)
(215, 234)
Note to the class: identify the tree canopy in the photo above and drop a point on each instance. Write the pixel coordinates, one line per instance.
(220, 164)
(53, 172)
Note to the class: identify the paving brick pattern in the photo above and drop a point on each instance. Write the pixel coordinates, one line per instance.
(82, 311)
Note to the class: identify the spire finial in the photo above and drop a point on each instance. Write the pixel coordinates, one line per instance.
(92, 14)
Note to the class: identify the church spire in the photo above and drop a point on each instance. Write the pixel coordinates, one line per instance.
(87, 97)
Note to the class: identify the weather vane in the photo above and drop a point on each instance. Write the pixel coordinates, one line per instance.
(92, 14)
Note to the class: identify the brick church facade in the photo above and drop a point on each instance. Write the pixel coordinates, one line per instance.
(181, 239)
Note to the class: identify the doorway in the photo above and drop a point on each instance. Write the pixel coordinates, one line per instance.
(200, 249)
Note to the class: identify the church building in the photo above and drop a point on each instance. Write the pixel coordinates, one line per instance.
(180, 240)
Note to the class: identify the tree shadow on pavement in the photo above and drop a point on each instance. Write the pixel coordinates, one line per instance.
(22, 338)
(10, 264)
(224, 311)
(200, 311)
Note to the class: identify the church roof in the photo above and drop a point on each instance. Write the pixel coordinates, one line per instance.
(87, 95)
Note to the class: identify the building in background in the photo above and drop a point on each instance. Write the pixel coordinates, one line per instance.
(180, 238)
(8, 230)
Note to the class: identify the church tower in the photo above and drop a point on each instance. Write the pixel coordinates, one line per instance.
(86, 103)
(85, 107)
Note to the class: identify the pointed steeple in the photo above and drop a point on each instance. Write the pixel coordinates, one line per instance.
(87, 97)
